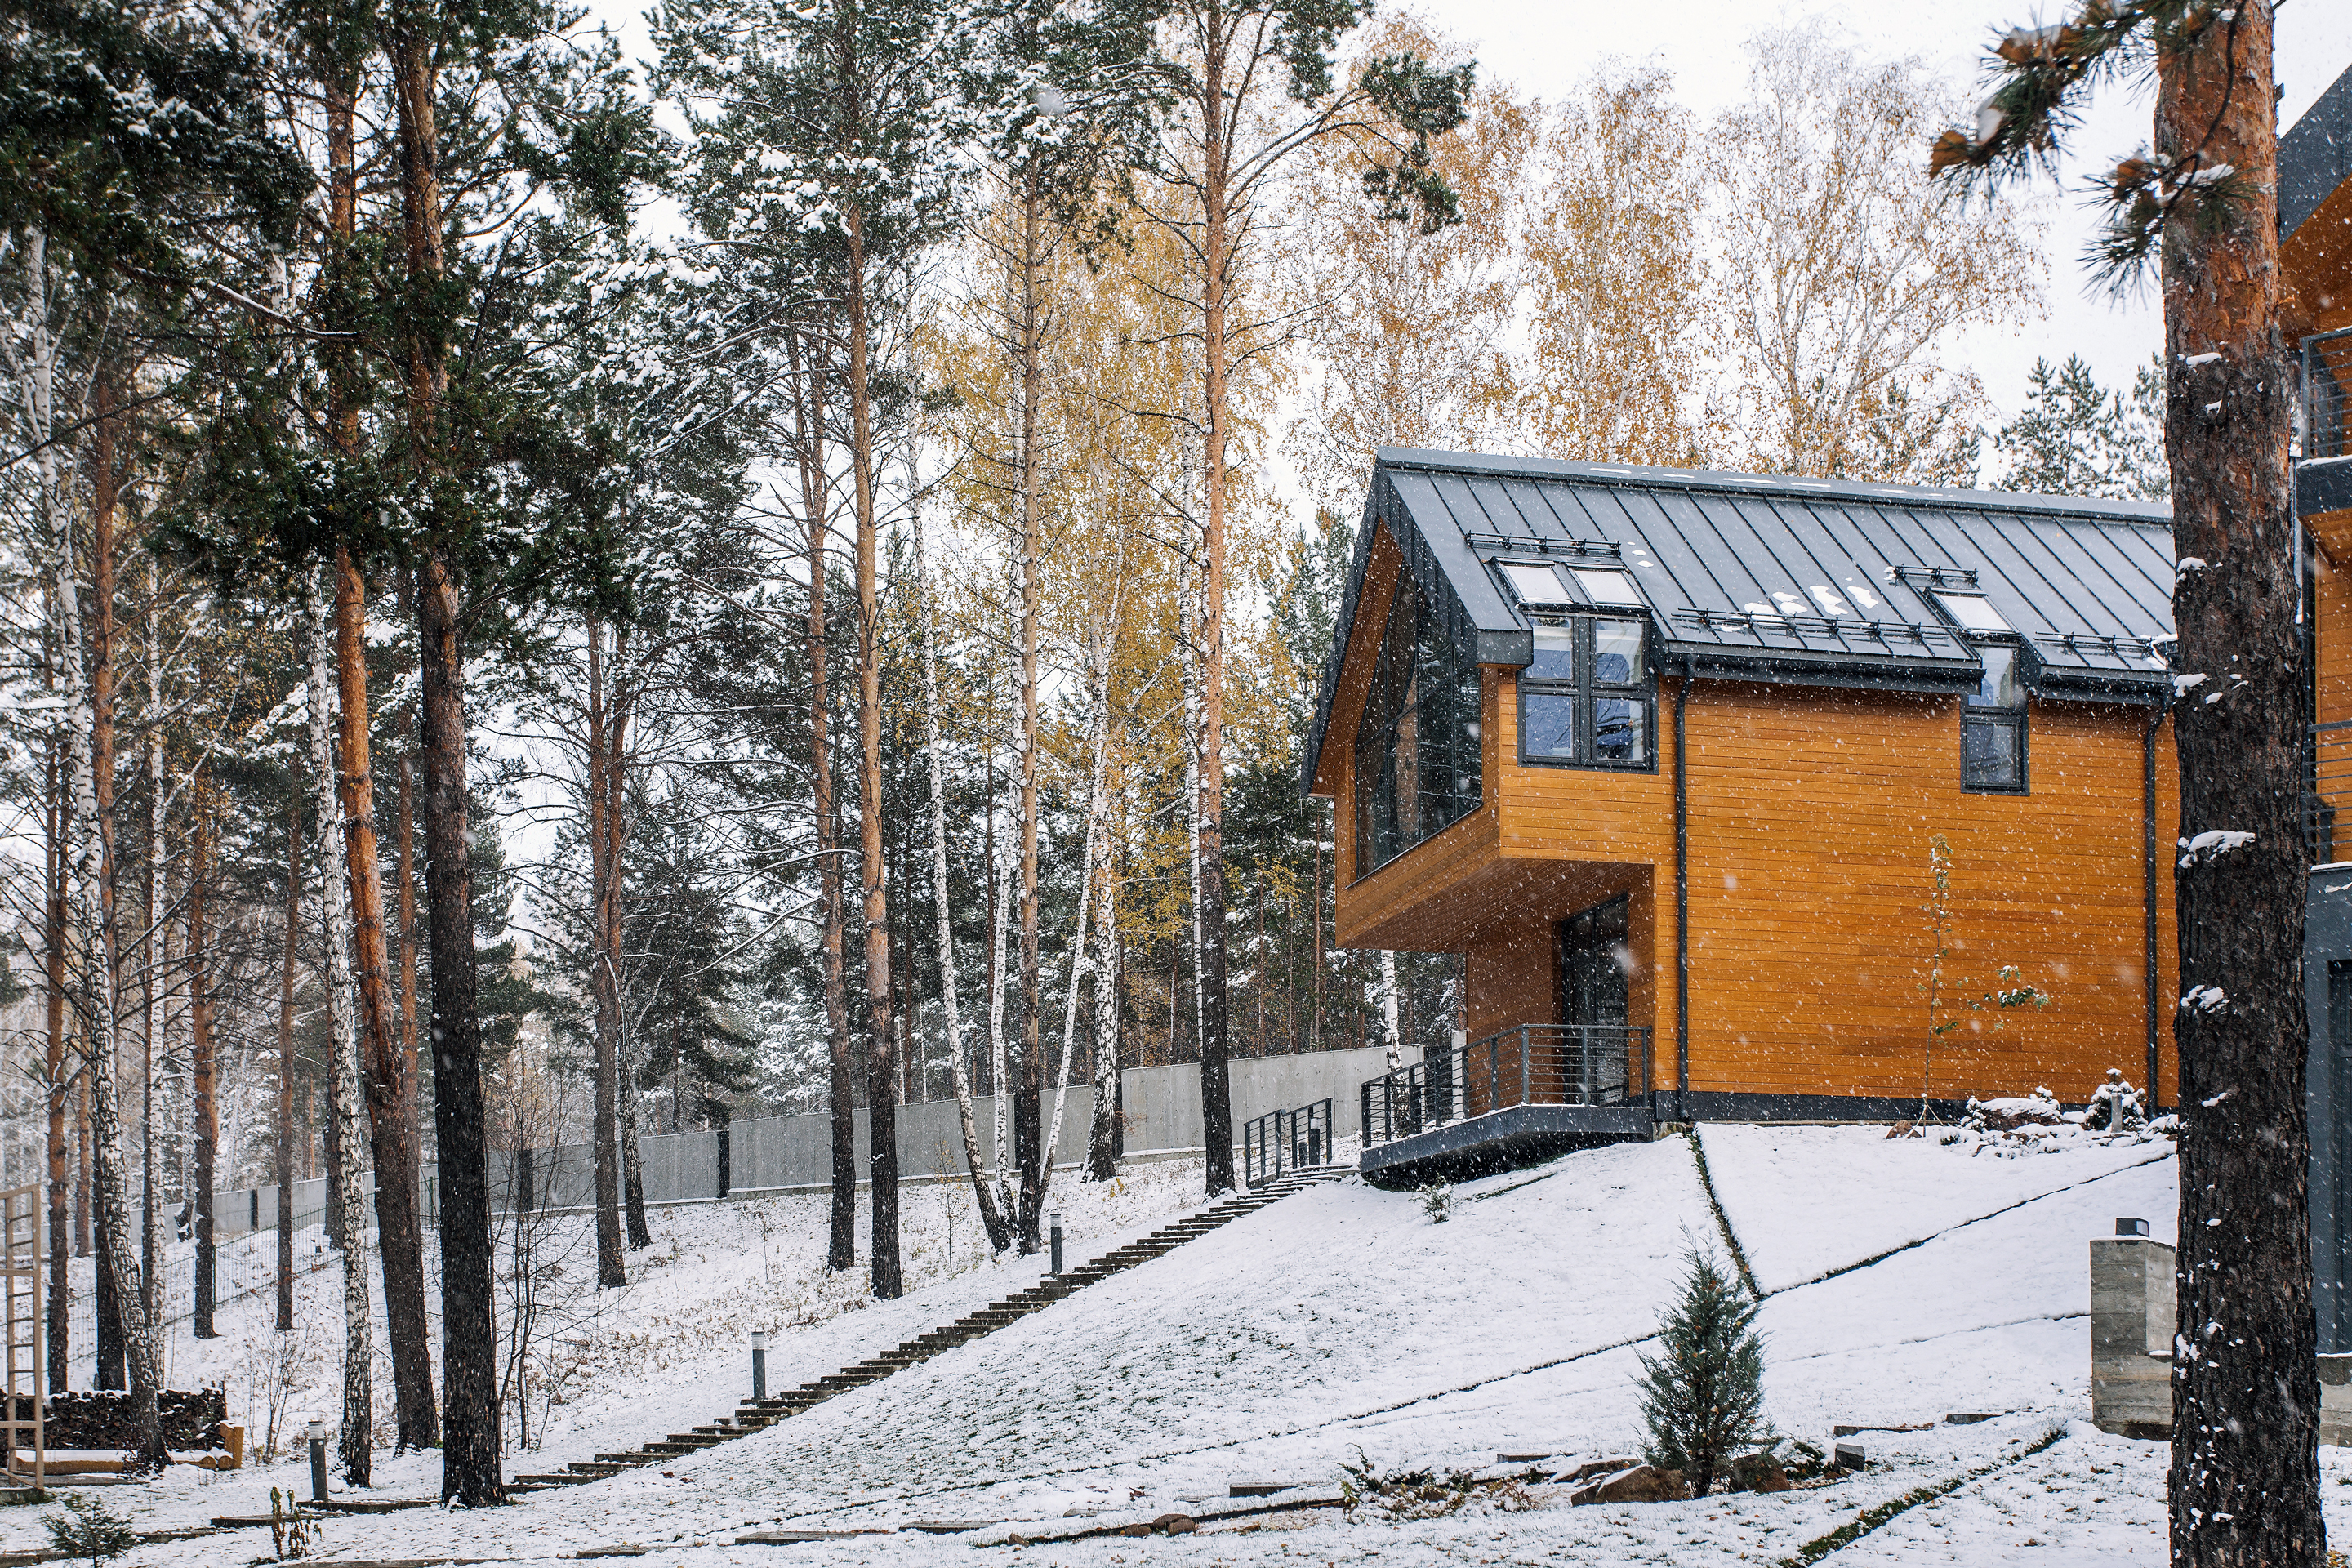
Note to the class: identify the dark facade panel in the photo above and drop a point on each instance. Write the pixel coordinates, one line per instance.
(2315, 155)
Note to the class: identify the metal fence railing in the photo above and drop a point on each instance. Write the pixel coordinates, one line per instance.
(2328, 795)
(2327, 396)
(1534, 1064)
(1285, 1141)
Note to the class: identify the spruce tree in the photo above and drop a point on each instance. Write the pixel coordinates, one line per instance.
(1703, 1393)
(2075, 437)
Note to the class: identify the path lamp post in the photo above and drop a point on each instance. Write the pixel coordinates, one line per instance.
(1054, 1225)
(758, 1364)
(318, 1460)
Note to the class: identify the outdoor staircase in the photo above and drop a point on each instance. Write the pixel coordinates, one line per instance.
(752, 1414)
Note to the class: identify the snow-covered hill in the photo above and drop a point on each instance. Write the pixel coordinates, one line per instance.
(1904, 1281)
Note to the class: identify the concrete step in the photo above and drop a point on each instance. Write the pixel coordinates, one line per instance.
(564, 1479)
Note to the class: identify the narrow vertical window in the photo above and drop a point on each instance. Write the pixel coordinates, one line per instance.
(1992, 724)
(1418, 770)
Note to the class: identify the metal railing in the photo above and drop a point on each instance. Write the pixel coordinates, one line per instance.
(1285, 1141)
(2327, 793)
(1534, 1064)
(2327, 396)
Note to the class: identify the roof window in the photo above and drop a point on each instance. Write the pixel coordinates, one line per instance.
(1534, 582)
(1605, 587)
(1972, 612)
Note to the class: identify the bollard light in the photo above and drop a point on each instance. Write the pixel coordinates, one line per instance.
(758, 1364)
(1054, 1225)
(2131, 1228)
(318, 1460)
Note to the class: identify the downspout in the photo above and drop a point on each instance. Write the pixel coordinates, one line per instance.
(1682, 904)
(2148, 832)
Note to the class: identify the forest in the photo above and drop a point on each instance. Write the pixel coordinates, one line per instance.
(553, 597)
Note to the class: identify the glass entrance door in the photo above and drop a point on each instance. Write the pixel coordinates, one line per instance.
(1594, 1003)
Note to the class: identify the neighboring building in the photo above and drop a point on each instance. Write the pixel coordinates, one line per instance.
(1663, 755)
(2315, 276)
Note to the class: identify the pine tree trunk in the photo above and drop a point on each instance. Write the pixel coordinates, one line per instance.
(392, 1128)
(204, 1083)
(151, 1034)
(992, 1218)
(355, 1443)
(286, 1053)
(882, 1073)
(410, 1087)
(633, 1173)
(808, 411)
(390, 1070)
(470, 1447)
(2245, 1479)
(1216, 1090)
(605, 988)
(470, 1443)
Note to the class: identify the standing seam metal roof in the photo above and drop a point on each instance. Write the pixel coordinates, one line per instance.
(1757, 577)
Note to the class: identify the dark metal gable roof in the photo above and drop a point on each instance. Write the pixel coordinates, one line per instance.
(2315, 155)
(1752, 577)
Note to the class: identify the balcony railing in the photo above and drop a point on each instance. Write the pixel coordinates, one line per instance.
(2327, 396)
(1534, 1064)
(1285, 1141)
(2328, 797)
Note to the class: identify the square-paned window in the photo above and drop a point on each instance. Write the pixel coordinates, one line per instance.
(1534, 582)
(1588, 699)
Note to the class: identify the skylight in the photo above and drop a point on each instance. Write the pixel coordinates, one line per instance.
(1535, 583)
(1607, 587)
(1972, 612)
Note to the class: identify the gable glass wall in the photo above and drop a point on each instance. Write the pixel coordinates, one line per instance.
(1417, 767)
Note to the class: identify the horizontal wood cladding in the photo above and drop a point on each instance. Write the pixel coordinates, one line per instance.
(1810, 814)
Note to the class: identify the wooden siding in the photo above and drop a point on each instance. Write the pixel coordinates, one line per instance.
(1810, 813)
(2331, 623)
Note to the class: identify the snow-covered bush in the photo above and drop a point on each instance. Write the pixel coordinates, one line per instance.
(2114, 1107)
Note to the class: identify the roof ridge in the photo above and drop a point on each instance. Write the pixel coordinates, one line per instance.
(2148, 514)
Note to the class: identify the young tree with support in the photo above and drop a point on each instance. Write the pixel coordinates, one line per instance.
(2202, 204)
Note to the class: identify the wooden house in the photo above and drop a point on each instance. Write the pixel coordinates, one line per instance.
(2316, 287)
(1674, 758)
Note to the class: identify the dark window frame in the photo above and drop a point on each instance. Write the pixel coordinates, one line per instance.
(1984, 716)
(1586, 692)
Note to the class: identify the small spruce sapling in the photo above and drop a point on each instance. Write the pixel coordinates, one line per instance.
(2010, 989)
(1437, 1201)
(90, 1529)
(1703, 1393)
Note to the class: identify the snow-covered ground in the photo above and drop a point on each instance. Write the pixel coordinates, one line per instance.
(1904, 1279)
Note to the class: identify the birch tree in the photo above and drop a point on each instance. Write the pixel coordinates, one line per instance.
(355, 1439)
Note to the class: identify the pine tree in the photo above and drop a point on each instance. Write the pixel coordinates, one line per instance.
(2202, 204)
(1703, 1393)
(2077, 439)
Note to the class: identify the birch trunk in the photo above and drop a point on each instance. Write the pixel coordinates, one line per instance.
(1000, 874)
(1391, 1011)
(1096, 799)
(355, 1443)
(992, 1218)
(90, 697)
(1029, 1069)
(1102, 1137)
